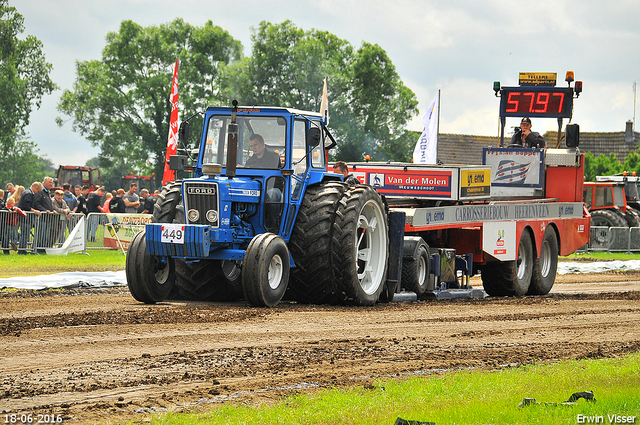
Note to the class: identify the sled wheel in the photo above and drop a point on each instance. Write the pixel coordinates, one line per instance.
(415, 272)
(545, 267)
(510, 277)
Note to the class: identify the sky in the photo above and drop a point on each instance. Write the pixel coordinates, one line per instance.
(459, 47)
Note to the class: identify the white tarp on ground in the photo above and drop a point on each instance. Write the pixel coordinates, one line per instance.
(69, 280)
(74, 280)
(597, 267)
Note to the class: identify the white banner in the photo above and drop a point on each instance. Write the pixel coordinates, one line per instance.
(75, 241)
(324, 103)
(426, 150)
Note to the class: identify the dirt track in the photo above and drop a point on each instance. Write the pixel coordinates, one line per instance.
(101, 356)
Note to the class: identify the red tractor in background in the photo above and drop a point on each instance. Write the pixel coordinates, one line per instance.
(630, 181)
(607, 204)
(143, 182)
(77, 175)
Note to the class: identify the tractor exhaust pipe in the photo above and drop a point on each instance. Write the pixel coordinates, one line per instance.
(232, 143)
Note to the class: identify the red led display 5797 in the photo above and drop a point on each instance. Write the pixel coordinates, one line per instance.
(527, 101)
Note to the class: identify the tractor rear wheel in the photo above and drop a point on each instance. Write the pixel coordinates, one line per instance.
(207, 280)
(608, 218)
(361, 247)
(632, 217)
(508, 278)
(311, 244)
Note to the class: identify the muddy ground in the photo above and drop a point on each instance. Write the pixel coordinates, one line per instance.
(98, 355)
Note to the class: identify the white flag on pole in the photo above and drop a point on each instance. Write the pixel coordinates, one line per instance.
(426, 150)
(324, 103)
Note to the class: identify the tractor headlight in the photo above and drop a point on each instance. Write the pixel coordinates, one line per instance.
(212, 216)
(193, 215)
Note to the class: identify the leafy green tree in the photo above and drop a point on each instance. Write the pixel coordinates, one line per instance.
(601, 165)
(22, 164)
(24, 79)
(369, 105)
(120, 103)
(632, 162)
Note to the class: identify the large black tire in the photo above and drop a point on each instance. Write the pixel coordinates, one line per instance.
(608, 218)
(149, 280)
(205, 280)
(545, 267)
(509, 278)
(265, 270)
(168, 208)
(416, 272)
(311, 244)
(362, 247)
(632, 217)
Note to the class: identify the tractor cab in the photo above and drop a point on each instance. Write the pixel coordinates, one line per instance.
(252, 168)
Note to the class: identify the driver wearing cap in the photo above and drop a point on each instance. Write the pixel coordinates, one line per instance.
(525, 137)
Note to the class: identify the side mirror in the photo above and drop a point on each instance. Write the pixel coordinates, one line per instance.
(313, 136)
(177, 162)
(183, 131)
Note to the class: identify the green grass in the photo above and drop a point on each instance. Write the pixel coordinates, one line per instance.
(601, 256)
(98, 260)
(464, 397)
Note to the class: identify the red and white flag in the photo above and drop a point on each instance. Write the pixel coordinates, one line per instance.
(172, 143)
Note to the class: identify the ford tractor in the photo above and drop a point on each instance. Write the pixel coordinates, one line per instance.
(261, 219)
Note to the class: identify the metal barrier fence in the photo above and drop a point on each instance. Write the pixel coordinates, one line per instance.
(34, 233)
(612, 239)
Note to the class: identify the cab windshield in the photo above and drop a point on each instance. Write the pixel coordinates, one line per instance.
(261, 141)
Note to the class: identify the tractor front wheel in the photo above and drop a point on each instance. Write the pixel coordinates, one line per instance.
(265, 270)
(150, 278)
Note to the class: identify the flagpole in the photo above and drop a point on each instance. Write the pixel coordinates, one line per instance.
(438, 126)
(169, 175)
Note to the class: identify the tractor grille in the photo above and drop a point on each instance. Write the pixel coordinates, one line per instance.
(201, 203)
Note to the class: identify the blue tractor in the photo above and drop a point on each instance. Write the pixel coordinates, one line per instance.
(263, 219)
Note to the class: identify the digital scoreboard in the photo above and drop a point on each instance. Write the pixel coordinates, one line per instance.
(536, 101)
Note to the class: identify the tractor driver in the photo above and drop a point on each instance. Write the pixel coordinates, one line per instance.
(525, 137)
(262, 157)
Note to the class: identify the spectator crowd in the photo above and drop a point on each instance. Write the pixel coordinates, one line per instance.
(42, 213)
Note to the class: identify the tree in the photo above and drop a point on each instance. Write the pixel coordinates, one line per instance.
(601, 166)
(22, 164)
(369, 104)
(24, 79)
(120, 103)
(632, 162)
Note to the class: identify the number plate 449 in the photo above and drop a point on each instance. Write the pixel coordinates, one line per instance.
(172, 233)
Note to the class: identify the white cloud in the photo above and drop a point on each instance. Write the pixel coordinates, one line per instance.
(458, 46)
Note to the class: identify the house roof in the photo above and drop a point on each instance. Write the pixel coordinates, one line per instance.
(463, 149)
(466, 149)
(603, 143)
